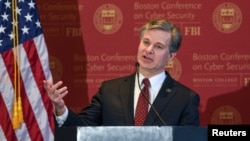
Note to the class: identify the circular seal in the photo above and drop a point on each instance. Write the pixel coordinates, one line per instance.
(55, 68)
(227, 17)
(226, 115)
(108, 19)
(174, 68)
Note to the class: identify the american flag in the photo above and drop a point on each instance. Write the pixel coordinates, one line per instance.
(26, 57)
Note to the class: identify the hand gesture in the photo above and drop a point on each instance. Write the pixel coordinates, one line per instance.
(56, 94)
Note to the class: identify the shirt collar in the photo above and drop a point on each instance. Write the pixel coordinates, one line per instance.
(155, 80)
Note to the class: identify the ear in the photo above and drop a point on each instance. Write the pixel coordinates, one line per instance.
(172, 55)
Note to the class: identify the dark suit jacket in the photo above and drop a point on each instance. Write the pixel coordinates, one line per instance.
(113, 105)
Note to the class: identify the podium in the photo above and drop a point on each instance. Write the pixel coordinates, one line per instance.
(131, 133)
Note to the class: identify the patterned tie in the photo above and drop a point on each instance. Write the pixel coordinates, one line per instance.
(142, 104)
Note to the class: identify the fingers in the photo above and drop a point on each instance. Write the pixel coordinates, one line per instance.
(58, 96)
(54, 91)
(60, 93)
(50, 87)
(47, 84)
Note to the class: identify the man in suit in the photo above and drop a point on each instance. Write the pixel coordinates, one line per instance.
(170, 102)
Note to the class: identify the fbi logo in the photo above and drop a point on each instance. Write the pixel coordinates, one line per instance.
(227, 17)
(108, 19)
(174, 68)
(247, 81)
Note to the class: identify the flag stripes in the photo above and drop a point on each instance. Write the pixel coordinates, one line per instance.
(33, 62)
(34, 98)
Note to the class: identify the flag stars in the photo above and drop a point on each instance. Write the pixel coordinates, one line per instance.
(25, 30)
(26, 24)
(5, 16)
(38, 24)
(12, 35)
(31, 4)
(28, 17)
(7, 4)
(2, 29)
(1, 42)
(18, 11)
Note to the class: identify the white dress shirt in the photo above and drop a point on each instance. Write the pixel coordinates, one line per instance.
(155, 86)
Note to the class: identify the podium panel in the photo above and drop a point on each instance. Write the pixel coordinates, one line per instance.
(131, 133)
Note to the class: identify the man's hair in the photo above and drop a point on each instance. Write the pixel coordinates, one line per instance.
(167, 26)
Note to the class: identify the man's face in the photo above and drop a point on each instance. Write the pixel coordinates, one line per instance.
(153, 51)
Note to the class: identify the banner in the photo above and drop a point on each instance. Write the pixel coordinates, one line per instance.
(92, 41)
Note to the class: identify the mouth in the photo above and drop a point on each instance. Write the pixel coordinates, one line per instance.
(147, 58)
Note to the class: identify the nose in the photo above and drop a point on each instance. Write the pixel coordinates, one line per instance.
(150, 49)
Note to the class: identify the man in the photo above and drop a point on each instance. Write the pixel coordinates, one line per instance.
(170, 102)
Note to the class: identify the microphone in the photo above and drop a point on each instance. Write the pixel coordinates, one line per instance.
(151, 105)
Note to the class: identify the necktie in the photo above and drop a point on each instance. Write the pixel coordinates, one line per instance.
(142, 104)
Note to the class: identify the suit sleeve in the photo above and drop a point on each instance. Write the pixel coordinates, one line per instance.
(89, 116)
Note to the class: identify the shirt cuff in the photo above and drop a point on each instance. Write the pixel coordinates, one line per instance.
(61, 119)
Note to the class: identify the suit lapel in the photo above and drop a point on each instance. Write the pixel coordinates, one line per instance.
(127, 98)
(164, 96)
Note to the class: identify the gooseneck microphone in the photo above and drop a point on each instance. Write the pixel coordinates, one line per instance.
(152, 106)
